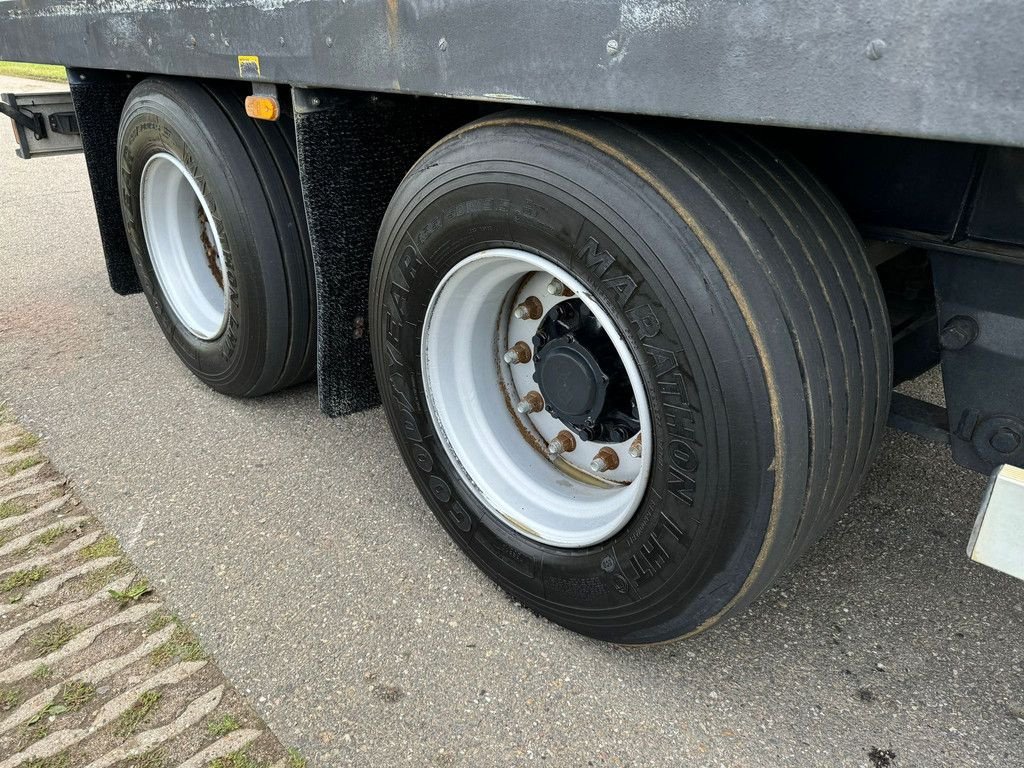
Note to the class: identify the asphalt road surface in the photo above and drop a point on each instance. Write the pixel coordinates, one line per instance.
(312, 570)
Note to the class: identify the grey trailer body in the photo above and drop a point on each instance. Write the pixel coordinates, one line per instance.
(941, 69)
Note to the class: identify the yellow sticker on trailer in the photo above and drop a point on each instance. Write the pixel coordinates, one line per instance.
(249, 66)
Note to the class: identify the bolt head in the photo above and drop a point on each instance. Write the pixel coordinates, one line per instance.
(523, 407)
(604, 460)
(521, 312)
(519, 352)
(612, 47)
(1005, 440)
(635, 451)
(958, 333)
(556, 288)
(562, 442)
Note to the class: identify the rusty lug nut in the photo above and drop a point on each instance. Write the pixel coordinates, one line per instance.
(530, 309)
(636, 449)
(556, 287)
(531, 403)
(518, 353)
(561, 443)
(605, 459)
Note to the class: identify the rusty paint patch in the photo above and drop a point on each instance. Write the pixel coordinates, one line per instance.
(208, 247)
(392, 23)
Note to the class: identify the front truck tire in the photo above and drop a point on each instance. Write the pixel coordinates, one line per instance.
(213, 211)
(740, 376)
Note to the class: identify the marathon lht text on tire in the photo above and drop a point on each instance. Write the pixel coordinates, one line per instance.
(635, 374)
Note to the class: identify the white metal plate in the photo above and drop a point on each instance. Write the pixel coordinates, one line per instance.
(998, 536)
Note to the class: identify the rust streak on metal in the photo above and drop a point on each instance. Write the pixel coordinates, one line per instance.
(392, 23)
(210, 249)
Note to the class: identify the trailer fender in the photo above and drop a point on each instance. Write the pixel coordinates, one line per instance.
(99, 98)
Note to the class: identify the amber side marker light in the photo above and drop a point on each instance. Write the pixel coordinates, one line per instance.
(262, 107)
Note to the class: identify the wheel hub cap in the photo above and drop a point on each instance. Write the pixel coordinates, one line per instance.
(536, 398)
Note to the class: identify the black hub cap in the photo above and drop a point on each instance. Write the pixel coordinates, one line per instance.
(581, 377)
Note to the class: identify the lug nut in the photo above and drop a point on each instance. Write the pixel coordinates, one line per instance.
(636, 449)
(561, 443)
(605, 459)
(531, 403)
(556, 287)
(530, 309)
(518, 353)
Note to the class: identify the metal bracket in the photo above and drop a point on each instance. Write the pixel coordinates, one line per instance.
(264, 89)
(32, 122)
(926, 420)
(982, 338)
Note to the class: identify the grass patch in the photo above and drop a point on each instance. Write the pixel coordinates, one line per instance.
(50, 72)
(60, 760)
(154, 758)
(131, 594)
(10, 509)
(50, 535)
(133, 717)
(50, 710)
(237, 759)
(32, 732)
(74, 696)
(42, 672)
(105, 546)
(77, 694)
(53, 638)
(9, 698)
(295, 758)
(158, 621)
(183, 646)
(24, 443)
(105, 575)
(223, 725)
(29, 461)
(20, 579)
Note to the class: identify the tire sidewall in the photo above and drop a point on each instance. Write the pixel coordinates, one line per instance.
(152, 123)
(690, 524)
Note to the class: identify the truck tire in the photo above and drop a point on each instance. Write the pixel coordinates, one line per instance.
(702, 343)
(213, 212)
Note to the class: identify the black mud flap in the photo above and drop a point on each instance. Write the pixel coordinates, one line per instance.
(44, 123)
(353, 150)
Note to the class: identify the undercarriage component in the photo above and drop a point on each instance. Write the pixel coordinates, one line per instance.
(981, 315)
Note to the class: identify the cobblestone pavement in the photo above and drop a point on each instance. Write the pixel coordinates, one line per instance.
(94, 670)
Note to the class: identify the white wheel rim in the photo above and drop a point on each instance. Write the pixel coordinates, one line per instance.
(184, 245)
(500, 453)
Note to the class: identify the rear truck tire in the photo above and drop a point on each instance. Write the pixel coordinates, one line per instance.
(213, 211)
(692, 301)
